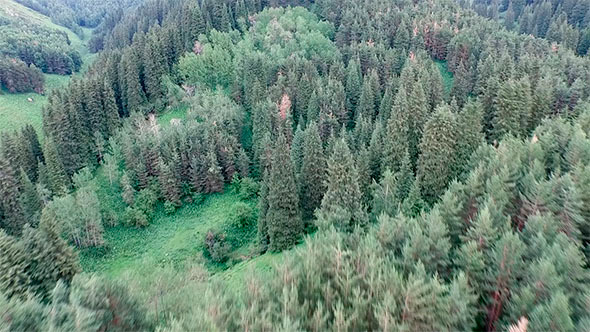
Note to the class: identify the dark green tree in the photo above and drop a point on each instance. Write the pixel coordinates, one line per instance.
(283, 217)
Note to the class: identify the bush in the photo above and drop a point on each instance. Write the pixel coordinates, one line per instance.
(216, 247)
(135, 217)
(248, 189)
(169, 207)
(243, 215)
(145, 201)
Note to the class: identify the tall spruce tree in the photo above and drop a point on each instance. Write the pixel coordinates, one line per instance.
(438, 146)
(313, 172)
(342, 203)
(283, 217)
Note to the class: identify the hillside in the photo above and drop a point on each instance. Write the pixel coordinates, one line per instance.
(298, 165)
(17, 110)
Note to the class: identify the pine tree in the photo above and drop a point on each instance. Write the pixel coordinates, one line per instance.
(405, 179)
(128, 193)
(30, 200)
(438, 146)
(283, 217)
(135, 96)
(10, 203)
(58, 179)
(213, 177)
(297, 149)
(51, 258)
(14, 278)
(353, 86)
(169, 183)
(395, 139)
(370, 96)
(110, 109)
(154, 66)
(413, 205)
(342, 203)
(263, 235)
(469, 134)
(513, 108)
(313, 172)
(384, 200)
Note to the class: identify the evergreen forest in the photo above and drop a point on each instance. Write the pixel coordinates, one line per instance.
(294, 165)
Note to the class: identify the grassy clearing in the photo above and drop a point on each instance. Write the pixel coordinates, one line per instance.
(447, 76)
(175, 240)
(176, 113)
(15, 109)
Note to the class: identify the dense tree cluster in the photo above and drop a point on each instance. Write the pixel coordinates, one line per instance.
(74, 14)
(436, 203)
(17, 76)
(19, 39)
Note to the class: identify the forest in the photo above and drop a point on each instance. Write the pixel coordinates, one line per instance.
(298, 165)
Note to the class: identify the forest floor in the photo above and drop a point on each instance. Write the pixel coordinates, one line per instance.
(447, 76)
(15, 109)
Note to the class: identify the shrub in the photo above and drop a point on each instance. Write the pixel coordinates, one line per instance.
(135, 217)
(216, 247)
(169, 207)
(248, 189)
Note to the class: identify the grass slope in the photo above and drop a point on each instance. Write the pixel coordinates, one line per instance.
(175, 240)
(447, 77)
(15, 109)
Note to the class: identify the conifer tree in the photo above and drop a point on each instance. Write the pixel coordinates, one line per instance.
(395, 139)
(413, 205)
(213, 177)
(404, 179)
(438, 146)
(155, 66)
(128, 193)
(14, 278)
(58, 179)
(342, 203)
(30, 200)
(283, 217)
(297, 149)
(469, 134)
(263, 235)
(169, 183)
(353, 85)
(51, 258)
(370, 96)
(10, 203)
(135, 96)
(384, 200)
(313, 172)
(513, 108)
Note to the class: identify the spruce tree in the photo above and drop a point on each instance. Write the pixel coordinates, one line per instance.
(283, 217)
(313, 172)
(513, 108)
(14, 267)
(368, 104)
(297, 149)
(10, 202)
(263, 236)
(395, 139)
(438, 146)
(30, 200)
(213, 177)
(169, 183)
(342, 203)
(58, 179)
(469, 134)
(353, 85)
